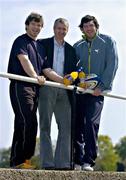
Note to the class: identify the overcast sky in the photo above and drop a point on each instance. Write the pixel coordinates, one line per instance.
(111, 17)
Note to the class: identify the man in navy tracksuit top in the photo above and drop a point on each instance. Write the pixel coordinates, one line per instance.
(98, 55)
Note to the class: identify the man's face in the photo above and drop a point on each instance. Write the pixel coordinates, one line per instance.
(89, 29)
(33, 29)
(60, 31)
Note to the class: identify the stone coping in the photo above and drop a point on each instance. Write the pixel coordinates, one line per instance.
(12, 174)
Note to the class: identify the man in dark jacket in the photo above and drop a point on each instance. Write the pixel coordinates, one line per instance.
(62, 59)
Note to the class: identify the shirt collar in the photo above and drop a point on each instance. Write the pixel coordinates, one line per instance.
(56, 43)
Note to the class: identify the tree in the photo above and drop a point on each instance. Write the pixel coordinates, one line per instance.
(107, 157)
(4, 158)
(121, 150)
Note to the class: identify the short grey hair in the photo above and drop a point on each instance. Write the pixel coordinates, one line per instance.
(61, 20)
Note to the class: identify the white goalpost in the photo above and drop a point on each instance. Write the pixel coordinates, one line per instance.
(55, 84)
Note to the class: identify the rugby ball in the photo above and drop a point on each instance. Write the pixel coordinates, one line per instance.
(92, 81)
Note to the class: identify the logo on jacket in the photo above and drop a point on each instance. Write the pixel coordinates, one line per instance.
(97, 50)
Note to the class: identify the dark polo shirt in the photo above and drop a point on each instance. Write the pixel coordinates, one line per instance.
(27, 46)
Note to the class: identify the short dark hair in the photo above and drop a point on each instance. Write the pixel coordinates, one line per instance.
(89, 18)
(34, 17)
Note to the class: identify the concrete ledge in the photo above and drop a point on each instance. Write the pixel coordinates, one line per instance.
(10, 174)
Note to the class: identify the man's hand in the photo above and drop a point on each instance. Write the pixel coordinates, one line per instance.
(67, 80)
(83, 85)
(41, 80)
(97, 92)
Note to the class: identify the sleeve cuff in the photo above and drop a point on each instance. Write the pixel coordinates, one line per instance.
(101, 86)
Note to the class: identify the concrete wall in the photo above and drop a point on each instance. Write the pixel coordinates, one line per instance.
(9, 174)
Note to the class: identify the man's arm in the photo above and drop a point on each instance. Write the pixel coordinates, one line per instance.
(110, 70)
(111, 64)
(29, 69)
(27, 65)
(52, 75)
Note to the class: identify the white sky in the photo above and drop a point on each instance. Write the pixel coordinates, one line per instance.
(110, 15)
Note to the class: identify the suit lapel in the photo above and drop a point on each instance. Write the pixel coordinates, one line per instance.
(66, 59)
(51, 50)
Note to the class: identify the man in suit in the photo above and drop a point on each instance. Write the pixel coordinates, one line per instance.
(61, 58)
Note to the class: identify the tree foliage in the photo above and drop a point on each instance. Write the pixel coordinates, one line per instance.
(121, 150)
(107, 157)
(4, 158)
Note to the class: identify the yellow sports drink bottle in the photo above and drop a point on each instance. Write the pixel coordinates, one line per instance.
(69, 79)
(81, 76)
